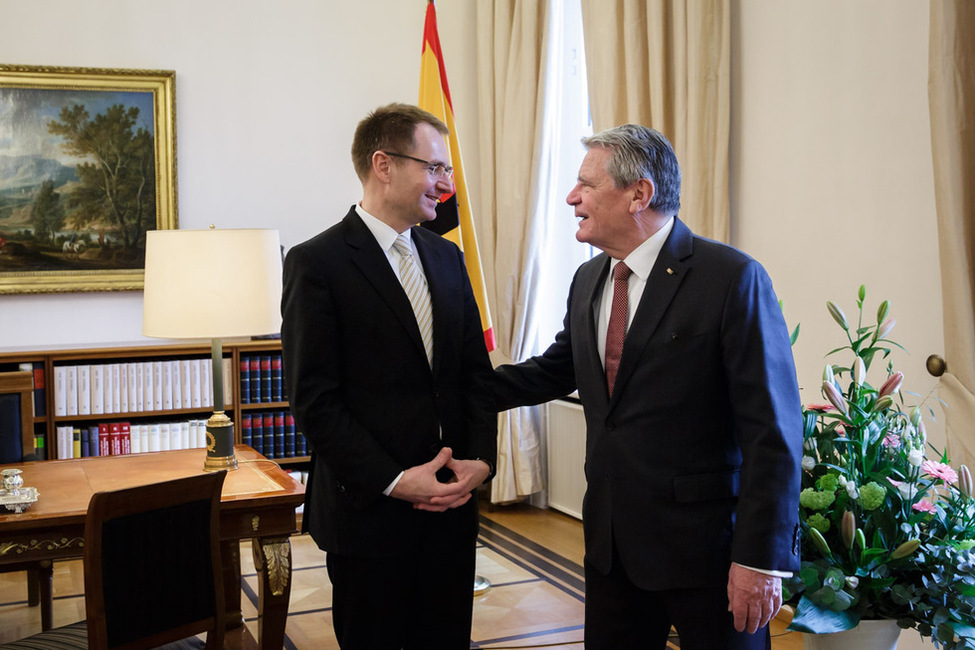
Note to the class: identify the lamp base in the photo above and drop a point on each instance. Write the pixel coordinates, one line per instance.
(220, 444)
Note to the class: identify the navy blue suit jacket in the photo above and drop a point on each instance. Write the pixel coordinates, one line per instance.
(695, 460)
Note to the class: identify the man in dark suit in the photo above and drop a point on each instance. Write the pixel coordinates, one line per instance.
(390, 382)
(683, 365)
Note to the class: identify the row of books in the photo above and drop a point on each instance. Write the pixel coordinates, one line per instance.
(136, 387)
(273, 434)
(261, 379)
(120, 438)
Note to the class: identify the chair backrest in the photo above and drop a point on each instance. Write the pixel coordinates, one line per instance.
(152, 564)
(16, 416)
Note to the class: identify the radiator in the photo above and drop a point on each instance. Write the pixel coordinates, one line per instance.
(566, 444)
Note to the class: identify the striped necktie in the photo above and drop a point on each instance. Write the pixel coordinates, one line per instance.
(417, 291)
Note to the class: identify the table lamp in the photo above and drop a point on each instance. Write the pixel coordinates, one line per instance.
(213, 284)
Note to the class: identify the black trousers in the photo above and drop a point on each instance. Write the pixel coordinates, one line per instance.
(622, 616)
(421, 599)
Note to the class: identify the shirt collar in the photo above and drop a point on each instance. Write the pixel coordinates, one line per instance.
(644, 256)
(383, 233)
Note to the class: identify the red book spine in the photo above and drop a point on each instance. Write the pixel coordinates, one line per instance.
(115, 439)
(104, 440)
(125, 437)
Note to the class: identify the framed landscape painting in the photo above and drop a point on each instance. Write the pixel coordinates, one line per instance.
(87, 166)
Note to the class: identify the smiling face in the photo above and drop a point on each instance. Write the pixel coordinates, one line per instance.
(604, 210)
(413, 191)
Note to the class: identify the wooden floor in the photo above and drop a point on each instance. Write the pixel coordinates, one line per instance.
(533, 559)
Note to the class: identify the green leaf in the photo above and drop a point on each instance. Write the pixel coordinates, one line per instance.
(794, 336)
(814, 619)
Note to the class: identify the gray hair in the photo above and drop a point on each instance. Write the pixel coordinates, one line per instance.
(641, 152)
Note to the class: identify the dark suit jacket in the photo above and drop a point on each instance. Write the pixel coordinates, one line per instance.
(363, 393)
(695, 461)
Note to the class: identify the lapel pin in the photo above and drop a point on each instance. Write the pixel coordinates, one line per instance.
(670, 271)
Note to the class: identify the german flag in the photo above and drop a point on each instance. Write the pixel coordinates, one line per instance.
(454, 220)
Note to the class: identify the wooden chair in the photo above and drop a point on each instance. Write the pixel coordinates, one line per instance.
(16, 416)
(152, 570)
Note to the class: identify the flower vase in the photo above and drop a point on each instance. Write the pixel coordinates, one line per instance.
(868, 635)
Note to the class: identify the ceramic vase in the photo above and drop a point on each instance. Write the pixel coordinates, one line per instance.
(868, 635)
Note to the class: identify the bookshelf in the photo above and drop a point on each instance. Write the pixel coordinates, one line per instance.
(261, 396)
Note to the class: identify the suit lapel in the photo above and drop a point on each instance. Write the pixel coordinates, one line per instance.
(434, 263)
(665, 279)
(372, 262)
(587, 290)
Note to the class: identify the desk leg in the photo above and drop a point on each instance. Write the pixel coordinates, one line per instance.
(230, 557)
(272, 559)
(44, 574)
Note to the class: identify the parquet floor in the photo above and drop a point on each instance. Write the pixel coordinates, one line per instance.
(532, 557)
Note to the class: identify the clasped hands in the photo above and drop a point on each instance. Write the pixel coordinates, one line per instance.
(419, 485)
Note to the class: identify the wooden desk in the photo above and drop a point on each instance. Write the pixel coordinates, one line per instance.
(258, 503)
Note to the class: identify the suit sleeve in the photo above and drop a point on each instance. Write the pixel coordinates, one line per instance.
(477, 375)
(541, 378)
(310, 341)
(768, 422)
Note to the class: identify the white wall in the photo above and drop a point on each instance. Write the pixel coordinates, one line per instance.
(832, 169)
(268, 95)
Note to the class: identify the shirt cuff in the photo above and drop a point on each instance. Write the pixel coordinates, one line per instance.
(768, 572)
(389, 488)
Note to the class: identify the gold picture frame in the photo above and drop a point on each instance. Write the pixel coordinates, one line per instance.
(87, 166)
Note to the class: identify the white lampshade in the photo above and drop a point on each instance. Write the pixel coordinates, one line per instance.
(206, 284)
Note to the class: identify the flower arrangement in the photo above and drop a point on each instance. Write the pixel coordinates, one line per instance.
(888, 533)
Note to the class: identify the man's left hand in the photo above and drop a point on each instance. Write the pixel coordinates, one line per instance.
(469, 473)
(753, 597)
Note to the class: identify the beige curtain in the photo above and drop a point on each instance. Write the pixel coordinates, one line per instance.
(511, 79)
(666, 64)
(951, 99)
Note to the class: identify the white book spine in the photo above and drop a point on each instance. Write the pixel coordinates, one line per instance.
(165, 437)
(228, 382)
(60, 390)
(139, 390)
(97, 389)
(167, 387)
(157, 386)
(206, 379)
(184, 433)
(185, 383)
(132, 386)
(196, 381)
(109, 390)
(84, 390)
(177, 385)
(71, 387)
(117, 387)
(123, 388)
(155, 435)
(135, 441)
(144, 437)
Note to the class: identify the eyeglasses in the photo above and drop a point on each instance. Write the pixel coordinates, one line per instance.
(437, 170)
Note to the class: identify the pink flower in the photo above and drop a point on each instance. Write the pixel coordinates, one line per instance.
(820, 408)
(939, 471)
(925, 506)
(891, 441)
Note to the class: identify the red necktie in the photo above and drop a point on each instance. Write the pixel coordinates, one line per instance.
(617, 324)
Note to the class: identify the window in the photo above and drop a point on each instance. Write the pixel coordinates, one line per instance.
(567, 120)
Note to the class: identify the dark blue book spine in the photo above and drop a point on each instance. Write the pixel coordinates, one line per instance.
(269, 448)
(277, 379)
(279, 443)
(255, 372)
(266, 378)
(93, 444)
(257, 434)
(290, 441)
(246, 430)
(245, 381)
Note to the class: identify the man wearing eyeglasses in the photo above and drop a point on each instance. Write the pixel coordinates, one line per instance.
(389, 379)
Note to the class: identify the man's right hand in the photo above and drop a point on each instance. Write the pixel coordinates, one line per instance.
(419, 486)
